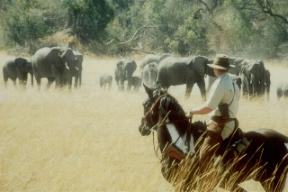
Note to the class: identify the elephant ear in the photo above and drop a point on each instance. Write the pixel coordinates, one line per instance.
(190, 61)
(67, 53)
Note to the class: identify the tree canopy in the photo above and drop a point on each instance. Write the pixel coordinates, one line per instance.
(238, 27)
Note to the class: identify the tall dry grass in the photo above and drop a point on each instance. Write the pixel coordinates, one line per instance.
(88, 140)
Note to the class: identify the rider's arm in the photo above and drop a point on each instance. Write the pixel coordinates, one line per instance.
(201, 110)
(217, 93)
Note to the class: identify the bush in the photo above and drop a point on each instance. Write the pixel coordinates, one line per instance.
(26, 21)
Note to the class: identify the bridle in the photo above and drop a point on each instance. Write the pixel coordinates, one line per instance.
(157, 125)
(155, 103)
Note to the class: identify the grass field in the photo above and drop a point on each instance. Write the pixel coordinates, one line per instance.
(87, 139)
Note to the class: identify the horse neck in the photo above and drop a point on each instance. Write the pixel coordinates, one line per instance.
(174, 113)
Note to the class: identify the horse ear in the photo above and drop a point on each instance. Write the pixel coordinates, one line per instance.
(148, 91)
(164, 90)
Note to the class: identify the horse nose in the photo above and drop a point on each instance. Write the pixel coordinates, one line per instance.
(144, 131)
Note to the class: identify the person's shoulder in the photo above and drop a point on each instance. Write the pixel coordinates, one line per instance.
(218, 84)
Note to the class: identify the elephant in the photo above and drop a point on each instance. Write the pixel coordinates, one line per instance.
(119, 75)
(153, 58)
(254, 75)
(135, 82)
(184, 70)
(76, 69)
(17, 69)
(55, 64)
(267, 83)
(282, 91)
(124, 71)
(149, 75)
(106, 81)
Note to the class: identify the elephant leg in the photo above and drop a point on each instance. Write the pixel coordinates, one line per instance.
(279, 93)
(121, 85)
(50, 81)
(14, 81)
(24, 80)
(245, 88)
(189, 87)
(5, 78)
(80, 79)
(109, 85)
(58, 81)
(69, 81)
(38, 81)
(31, 75)
(201, 85)
(76, 81)
(129, 85)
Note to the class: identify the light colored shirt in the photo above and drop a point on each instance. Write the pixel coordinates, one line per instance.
(222, 91)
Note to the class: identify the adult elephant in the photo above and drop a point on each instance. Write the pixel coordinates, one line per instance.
(124, 71)
(153, 58)
(54, 64)
(149, 74)
(17, 69)
(254, 74)
(184, 70)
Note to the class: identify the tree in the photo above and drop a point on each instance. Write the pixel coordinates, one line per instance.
(88, 19)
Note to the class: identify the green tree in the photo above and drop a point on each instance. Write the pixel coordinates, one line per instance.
(88, 19)
(25, 21)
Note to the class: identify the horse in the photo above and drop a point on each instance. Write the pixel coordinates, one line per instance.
(241, 152)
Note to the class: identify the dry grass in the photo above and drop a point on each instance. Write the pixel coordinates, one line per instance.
(88, 140)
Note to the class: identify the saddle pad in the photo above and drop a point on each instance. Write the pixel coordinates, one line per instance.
(178, 141)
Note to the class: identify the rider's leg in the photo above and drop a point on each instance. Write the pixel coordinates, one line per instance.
(210, 145)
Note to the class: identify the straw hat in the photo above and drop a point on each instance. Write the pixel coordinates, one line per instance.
(221, 62)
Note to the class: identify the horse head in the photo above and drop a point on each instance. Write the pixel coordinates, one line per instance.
(160, 108)
(151, 112)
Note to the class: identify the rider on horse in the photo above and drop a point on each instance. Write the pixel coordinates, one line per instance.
(222, 104)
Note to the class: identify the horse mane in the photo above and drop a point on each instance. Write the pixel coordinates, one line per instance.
(168, 104)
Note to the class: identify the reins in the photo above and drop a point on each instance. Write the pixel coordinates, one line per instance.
(154, 105)
(158, 124)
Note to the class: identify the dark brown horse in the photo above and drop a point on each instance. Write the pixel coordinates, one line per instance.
(265, 148)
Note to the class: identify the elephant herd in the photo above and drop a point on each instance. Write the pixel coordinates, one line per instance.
(62, 64)
(165, 70)
(253, 76)
(57, 64)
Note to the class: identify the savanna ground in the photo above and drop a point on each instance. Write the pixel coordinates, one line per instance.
(88, 140)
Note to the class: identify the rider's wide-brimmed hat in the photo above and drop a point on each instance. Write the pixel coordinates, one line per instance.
(221, 62)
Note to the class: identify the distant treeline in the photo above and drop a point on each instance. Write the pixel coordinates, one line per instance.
(257, 28)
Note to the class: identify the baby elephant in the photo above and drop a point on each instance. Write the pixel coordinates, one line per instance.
(134, 82)
(282, 91)
(17, 69)
(106, 81)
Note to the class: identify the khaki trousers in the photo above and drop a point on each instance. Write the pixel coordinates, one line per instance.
(216, 133)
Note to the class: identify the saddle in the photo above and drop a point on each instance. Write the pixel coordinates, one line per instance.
(237, 143)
